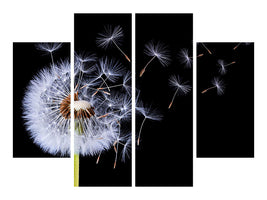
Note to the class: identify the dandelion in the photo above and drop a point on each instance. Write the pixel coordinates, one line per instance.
(206, 48)
(181, 88)
(111, 36)
(156, 50)
(218, 84)
(97, 118)
(223, 66)
(148, 113)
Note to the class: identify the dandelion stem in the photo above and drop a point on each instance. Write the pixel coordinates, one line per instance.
(206, 48)
(138, 140)
(76, 170)
(144, 69)
(173, 98)
(204, 91)
(121, 51)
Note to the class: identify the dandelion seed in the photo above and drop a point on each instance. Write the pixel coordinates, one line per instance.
(111, 35)
(49, 48)
(218, 84)
(223, 66)
(246, 43)
(206, 48)
(148, 113)
(181, 88)
(156, 50)
(236, 46)
(185, 58)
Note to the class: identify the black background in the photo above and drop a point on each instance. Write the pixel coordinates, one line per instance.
(27, 61)
(225, 124)
(86, 29)
(164, 156)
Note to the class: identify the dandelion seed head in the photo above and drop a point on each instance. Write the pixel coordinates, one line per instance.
(159, 50)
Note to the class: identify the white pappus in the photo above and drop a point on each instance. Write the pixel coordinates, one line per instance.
(184, 58)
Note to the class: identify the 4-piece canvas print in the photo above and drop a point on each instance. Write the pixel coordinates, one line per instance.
(102, 94)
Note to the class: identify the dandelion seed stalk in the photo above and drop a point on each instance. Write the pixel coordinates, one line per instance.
(138, 140)
(144, 69)
(121, 50)
(113, 86)
(229, 64)
(173, 98)
(236, 46)
(200, 55)
(97, 160)
(206, 90)
(104, 82)
(206, 48)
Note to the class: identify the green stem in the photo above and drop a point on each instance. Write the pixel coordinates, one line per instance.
(76, 170)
